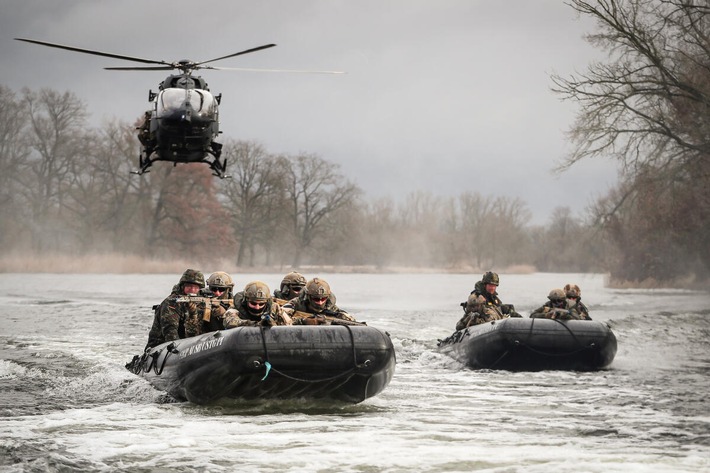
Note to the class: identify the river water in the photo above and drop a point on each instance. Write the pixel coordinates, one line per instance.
(68, 404)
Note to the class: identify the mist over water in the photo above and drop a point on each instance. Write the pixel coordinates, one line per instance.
(67, 402)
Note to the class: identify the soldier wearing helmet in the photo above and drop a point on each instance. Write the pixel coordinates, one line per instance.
(175, 318)
(291, 286)
(554, 308)
(318, 300)
(219, 291)
(483, 304)
(574, 301)
(220, 284)
(255, 306)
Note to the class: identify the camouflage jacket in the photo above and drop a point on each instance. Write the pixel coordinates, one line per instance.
(155, 336)
(175, 319)
(476, 318)
(215, 310)
(240, 316)
(549, 311)
(577, 307)
(480, 307)
(303, 304)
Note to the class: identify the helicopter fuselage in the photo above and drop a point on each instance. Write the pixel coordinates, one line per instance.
(182, 123)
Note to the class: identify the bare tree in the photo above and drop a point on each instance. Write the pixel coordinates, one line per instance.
(13, 152)
(504, 234)
(566, 244)
(116, 156)
(649, 106)
(374, 235)
(631, 108)
(254, 198)
(421, 238)
(188, 218)
(56, 125)
(102, 194)
(315, 190)
(476, 215)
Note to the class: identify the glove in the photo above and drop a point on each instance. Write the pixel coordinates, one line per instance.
(267, 321)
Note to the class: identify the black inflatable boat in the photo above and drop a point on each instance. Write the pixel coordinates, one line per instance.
(341, 362)
(520, 344)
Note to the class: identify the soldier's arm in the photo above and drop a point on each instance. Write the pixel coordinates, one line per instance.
(232, 319)
(334, 311)
(539, 313)
(170, 321)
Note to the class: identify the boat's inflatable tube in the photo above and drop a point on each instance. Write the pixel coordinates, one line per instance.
(521, 344)
(343, 362)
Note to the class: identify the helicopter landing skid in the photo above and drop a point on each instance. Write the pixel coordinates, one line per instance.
(144, 163)
(218, 167)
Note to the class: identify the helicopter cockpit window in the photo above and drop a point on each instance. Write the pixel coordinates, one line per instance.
(208, 102)
(183, 82)
(172, 100)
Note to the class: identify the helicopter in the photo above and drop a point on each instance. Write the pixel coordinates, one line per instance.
(183, 122)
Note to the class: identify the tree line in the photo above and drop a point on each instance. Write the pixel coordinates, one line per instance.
(67, 187)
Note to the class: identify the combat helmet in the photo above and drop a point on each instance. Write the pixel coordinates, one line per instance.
(192, 276)
(292, 279)
(220, 279)
(317, 288)
(556, 295)
(257, 291)
(490, 278)
(572, 291)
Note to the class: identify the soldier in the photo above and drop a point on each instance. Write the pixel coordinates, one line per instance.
(176, 319)
(574, 301)
(220, 286)
(555, 308)
(254, 306)
(291, 286)
(316, 299)
(483, 304)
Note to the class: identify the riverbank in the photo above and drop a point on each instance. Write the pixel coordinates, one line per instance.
(132, 264)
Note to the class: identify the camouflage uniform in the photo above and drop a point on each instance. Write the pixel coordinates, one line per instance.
(303, 303)
(482, 306)
(574, 301)
(555, 308)
(291, 280)
(241, 315)
(577, 307)
(175, 317)
(217, 306)
(214, 312)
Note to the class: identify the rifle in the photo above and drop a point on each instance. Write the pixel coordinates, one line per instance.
(328, 316)
(209, 302)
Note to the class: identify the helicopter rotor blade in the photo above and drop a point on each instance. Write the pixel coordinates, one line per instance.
(96, 53)
(246, 69)
(247, 51)
(146, 68)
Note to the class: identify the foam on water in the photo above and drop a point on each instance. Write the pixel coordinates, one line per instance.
(68, 403)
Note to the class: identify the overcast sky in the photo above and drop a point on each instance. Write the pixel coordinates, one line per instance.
(442, 96)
